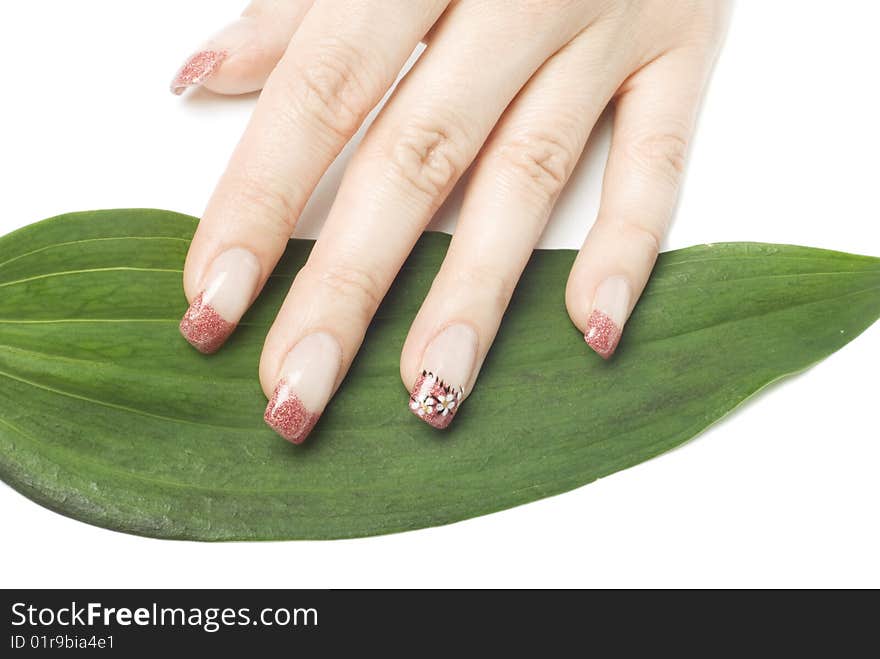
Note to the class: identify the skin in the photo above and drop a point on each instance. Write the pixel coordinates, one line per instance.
(545, 70)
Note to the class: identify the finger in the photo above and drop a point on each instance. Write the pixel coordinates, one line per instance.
(340, 62)
(514, 185)
(239, 58)
(427, 134)
(654, 120)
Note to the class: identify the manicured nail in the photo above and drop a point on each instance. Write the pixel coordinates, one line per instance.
(610, 311)
(229, 286)
(307, 378)
(198, 68)
(447, 367)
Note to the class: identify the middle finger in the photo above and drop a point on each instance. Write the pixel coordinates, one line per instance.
(427, 135)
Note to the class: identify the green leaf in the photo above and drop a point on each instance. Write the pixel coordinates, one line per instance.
(107, 415)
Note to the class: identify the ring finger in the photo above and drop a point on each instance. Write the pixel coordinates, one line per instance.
(515, 183)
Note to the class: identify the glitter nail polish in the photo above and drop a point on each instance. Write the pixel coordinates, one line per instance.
(198, 68)
(230, 284)
(602, 334)
(204, 328)
(288, 416)
(307, 379)
(610, 310)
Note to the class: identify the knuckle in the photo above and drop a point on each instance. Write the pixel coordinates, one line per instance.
(267, 206)
(334, 88)
(542, 161)
(661, 154)
(354, 285)
(541, 8)
(495, 289)
(650, 236)
(708, 22)
(427, 158)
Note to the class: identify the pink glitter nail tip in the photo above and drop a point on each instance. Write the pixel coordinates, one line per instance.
(434, 401)
(204, 328)
(287, 415)
(602, 334)
(197, 69)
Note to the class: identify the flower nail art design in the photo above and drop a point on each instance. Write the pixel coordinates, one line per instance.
(434, 401)
(423, 407)
(445, 404)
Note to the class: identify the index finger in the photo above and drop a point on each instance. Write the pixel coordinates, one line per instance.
(341, 61)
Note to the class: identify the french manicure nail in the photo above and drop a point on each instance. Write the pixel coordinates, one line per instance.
(230, 283)
(610, 310)
(447, 367)
(307, 378)
(198, 68)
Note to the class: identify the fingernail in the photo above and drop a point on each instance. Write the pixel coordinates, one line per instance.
(198, 68)
(447, 367)
(230, 283)
(610, 311)
(307, 378)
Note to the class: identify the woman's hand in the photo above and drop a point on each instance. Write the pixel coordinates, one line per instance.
(512, 85)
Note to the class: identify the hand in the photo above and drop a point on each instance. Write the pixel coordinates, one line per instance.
(514, 85)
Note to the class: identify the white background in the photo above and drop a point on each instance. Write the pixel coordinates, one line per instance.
(784, 492)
